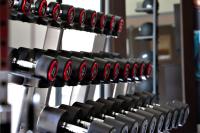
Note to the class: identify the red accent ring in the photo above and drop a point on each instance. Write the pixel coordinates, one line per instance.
(43, 3)
(106, 72)
(149, 70)
(23, 7)
(112, 23)
(55, 9)
(82, 13)
(68, 68)
(69, 13)
(134, 70)
(93, 19)
(53, 65)
(120, 25)
(94, 71)
(102, 21)
(142, 69)
(116, 71)
(81, 75)
(126, 71)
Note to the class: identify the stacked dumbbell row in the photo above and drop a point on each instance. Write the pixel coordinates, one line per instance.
(136, 113)
(73, 68)
(65, 16)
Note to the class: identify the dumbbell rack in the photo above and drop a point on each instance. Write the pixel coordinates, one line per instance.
(34, 83)
(35, 86)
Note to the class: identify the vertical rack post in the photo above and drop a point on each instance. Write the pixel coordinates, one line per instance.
(5, 108)
(155, 47)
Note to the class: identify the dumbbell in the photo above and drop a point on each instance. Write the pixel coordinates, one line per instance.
(114, 67)
(142, 121)
(54, 120)
(27, 11)
(131, 101)
(148, 69)
(53, 10)
(138, 103)
(118, 27)
(109, 24)
(90, 20)
(45, 67)
(23, 6)
(142, 69)
(104, 71)
(151, 100)
(114, 71)
(87, 113)
(39, 8)
(79, 68)
(159, 115)
(147, 103)
(151, 118)
(100, 112)
(100, 23)
(154, 98)
(183, 112)
(168, 115)
(174, 121)
(64, 65)
(132, 107)
(79, 18)
(124, 69)
(104, 68)
(92, 66)
(133, 71)
(134, 102)
(113, 105)
(127, 69)
(67, 15)
(145, 98)
(134, 66)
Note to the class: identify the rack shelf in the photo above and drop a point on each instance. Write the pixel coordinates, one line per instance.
(143, 37)
(144, 9)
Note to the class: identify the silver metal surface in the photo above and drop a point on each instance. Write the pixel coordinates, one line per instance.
(131, 88)
(99, 43)
(120, 89)
(53, 38)
(155, 48)
(28, 95)
(3, 85)
(5, 114)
